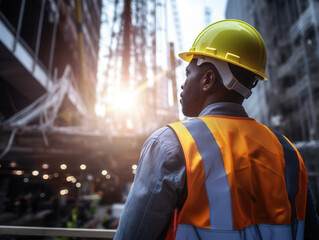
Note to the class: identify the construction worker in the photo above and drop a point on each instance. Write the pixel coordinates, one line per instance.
(220, 174)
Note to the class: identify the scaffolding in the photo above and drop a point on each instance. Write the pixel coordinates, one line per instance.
(48, 64)
(140, 64)
(289, 100)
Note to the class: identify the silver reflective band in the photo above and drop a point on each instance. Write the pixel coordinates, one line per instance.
(229, 80)
(261, 231)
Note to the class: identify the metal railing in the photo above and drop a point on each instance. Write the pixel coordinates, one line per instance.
(57, 232)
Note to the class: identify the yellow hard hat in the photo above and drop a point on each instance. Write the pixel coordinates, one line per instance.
(233, 41)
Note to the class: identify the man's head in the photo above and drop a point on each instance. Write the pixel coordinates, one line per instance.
(226, 60)
(204, 85)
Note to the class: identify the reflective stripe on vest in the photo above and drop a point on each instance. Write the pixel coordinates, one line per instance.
(219, 198)
(242, 181)
(257, 232)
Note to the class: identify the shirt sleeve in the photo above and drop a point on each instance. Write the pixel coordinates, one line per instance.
(159, 186)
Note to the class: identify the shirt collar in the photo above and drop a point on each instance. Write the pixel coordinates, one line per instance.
(224, 109)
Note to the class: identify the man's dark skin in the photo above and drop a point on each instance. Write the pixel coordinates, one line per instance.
(202, 87)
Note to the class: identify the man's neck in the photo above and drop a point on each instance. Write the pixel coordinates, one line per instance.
(212, 99)
(224, 109)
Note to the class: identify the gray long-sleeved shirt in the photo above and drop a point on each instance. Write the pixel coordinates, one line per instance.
(160, 183)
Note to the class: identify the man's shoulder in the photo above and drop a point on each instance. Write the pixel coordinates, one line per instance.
(161, 132)
(165, 136)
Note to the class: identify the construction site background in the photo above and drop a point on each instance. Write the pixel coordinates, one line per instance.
(70, 143)
(60, 164)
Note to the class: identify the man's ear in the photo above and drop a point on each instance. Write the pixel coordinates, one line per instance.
(208, 80)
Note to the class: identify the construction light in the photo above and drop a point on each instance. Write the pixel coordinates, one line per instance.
(134, 167)
(63, 166)
(45, 176)
(42, 195)
(13, 164)
(69, 178)
(73, 180)
(17, 172)
(35, 173)
(108, 176)
(104, 172)
(78, 185)
(45, 166)
(64, 192)
(83, 166)
(26, 180)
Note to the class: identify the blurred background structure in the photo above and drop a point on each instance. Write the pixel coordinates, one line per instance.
(48, 63)
(83, 83)
(289, 101)
(60, 164)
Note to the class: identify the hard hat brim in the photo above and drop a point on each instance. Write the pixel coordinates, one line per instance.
(188, 56)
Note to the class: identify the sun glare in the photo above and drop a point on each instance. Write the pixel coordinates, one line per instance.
(100, 109)
(123, 100)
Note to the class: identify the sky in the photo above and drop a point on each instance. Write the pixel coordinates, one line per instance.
(192, 17)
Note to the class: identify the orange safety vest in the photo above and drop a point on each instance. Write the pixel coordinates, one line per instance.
(244, 181)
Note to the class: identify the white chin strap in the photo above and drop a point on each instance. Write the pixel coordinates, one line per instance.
(229, 80)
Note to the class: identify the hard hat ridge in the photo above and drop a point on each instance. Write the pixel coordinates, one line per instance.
(233, 41)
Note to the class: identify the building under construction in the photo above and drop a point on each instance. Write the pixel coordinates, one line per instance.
(55, 154)
(289, 100)
(48, 65)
